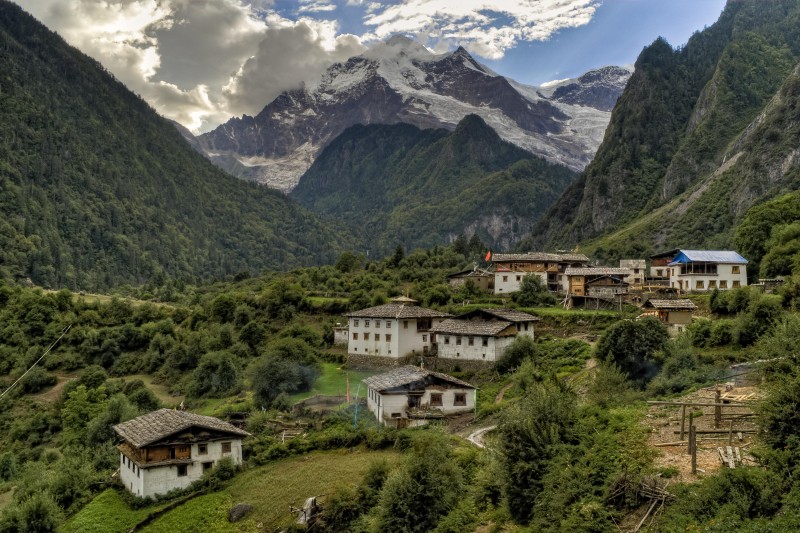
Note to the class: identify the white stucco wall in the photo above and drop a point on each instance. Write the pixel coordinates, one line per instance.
(513, 280)
(360, 327)
(162, 479)
(383, 405)
(724, 273)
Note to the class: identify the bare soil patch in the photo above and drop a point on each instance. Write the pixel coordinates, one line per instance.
(665, 420)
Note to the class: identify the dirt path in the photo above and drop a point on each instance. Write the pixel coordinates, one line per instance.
(476, 437)
(54, 392)
(499, 397)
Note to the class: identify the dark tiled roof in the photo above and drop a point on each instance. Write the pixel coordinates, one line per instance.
(455, 326)
(680, 304)
(149, 428)
(397, 311)
(512, 315)
(540, 256)
(598, 271)
(406, 375)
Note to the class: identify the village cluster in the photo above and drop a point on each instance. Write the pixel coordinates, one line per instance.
(169, 449)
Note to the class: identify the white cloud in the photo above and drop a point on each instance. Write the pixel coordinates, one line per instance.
(192, 60)
(487, 28)
(201, 61)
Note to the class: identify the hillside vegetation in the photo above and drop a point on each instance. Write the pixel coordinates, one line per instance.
(97, 190)
(401, 185)
(700, 134)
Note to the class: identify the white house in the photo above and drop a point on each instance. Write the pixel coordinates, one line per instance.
(637, 268)
(481, 335)
(511, 268)
(392, 330)
(410, 396)
(706, 270)
(169, 449)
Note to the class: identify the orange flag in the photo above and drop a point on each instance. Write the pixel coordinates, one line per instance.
(488, 255)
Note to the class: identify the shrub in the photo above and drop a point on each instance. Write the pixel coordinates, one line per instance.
(533, 292)
(632, 344)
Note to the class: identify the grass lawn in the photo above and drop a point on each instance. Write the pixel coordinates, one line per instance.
(107, 513)
(332, 382)
(270, 489)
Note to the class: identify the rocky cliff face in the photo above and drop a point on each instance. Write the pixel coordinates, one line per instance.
(680, 163)
(401, 82)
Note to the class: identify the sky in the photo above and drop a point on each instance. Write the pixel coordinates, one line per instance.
(200, 62)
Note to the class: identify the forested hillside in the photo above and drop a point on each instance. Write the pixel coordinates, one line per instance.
(398, 184)
(700, 134)
(97, 190)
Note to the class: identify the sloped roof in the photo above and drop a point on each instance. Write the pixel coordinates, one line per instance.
(403, 300)
(395, 310)
(152, 427)
(510, 315)
(598, 271)
(456, 326)
(540, 256)
(405, 375)
(677, 304)
(708, 256)
(667, 253)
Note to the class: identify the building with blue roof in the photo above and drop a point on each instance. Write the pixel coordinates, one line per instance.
(706, 270)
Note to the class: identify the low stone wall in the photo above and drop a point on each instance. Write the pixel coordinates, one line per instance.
(431, 363)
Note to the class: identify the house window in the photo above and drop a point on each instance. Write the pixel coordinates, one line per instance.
(446, 339)
(505, 278)
(736, 284)
(471, 341)
(388, 323)
(700, 284)
(424, 338)
(388, 338)
(355, 336)
(486, 341)
(735, 269)
(366, 336)
(458, 341)
(226, 447)
(659, 272)
(460, 400)
(208, 466)
(355, 323)
(405, 324)
(525, 326)
(519, 278)
(377, 323)
(377, 337)
(436, 399)
(182, 470)
(202, 449)
(366, 323)
(712, 284)
(723, 284)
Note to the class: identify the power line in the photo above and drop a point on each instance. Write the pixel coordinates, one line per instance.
(63, 332)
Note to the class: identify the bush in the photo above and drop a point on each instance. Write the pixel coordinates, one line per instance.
(36, 380)
(533, 292)
(217, 375)
(632, 344)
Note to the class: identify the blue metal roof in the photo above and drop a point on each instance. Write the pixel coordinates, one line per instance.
(708, 256)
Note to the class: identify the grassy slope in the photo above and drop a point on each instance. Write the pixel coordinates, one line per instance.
(332, 382)
(270, 489)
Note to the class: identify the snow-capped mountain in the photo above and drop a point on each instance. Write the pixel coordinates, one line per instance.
(401, 81)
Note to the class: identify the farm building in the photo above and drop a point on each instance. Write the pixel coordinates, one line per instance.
(637, 268)
(603, 282)
(706, 270)
(481, 335)
(676, 314)
(410, 396)
(510, 269)
(392, 330)
(483, 280)
(169, 449)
